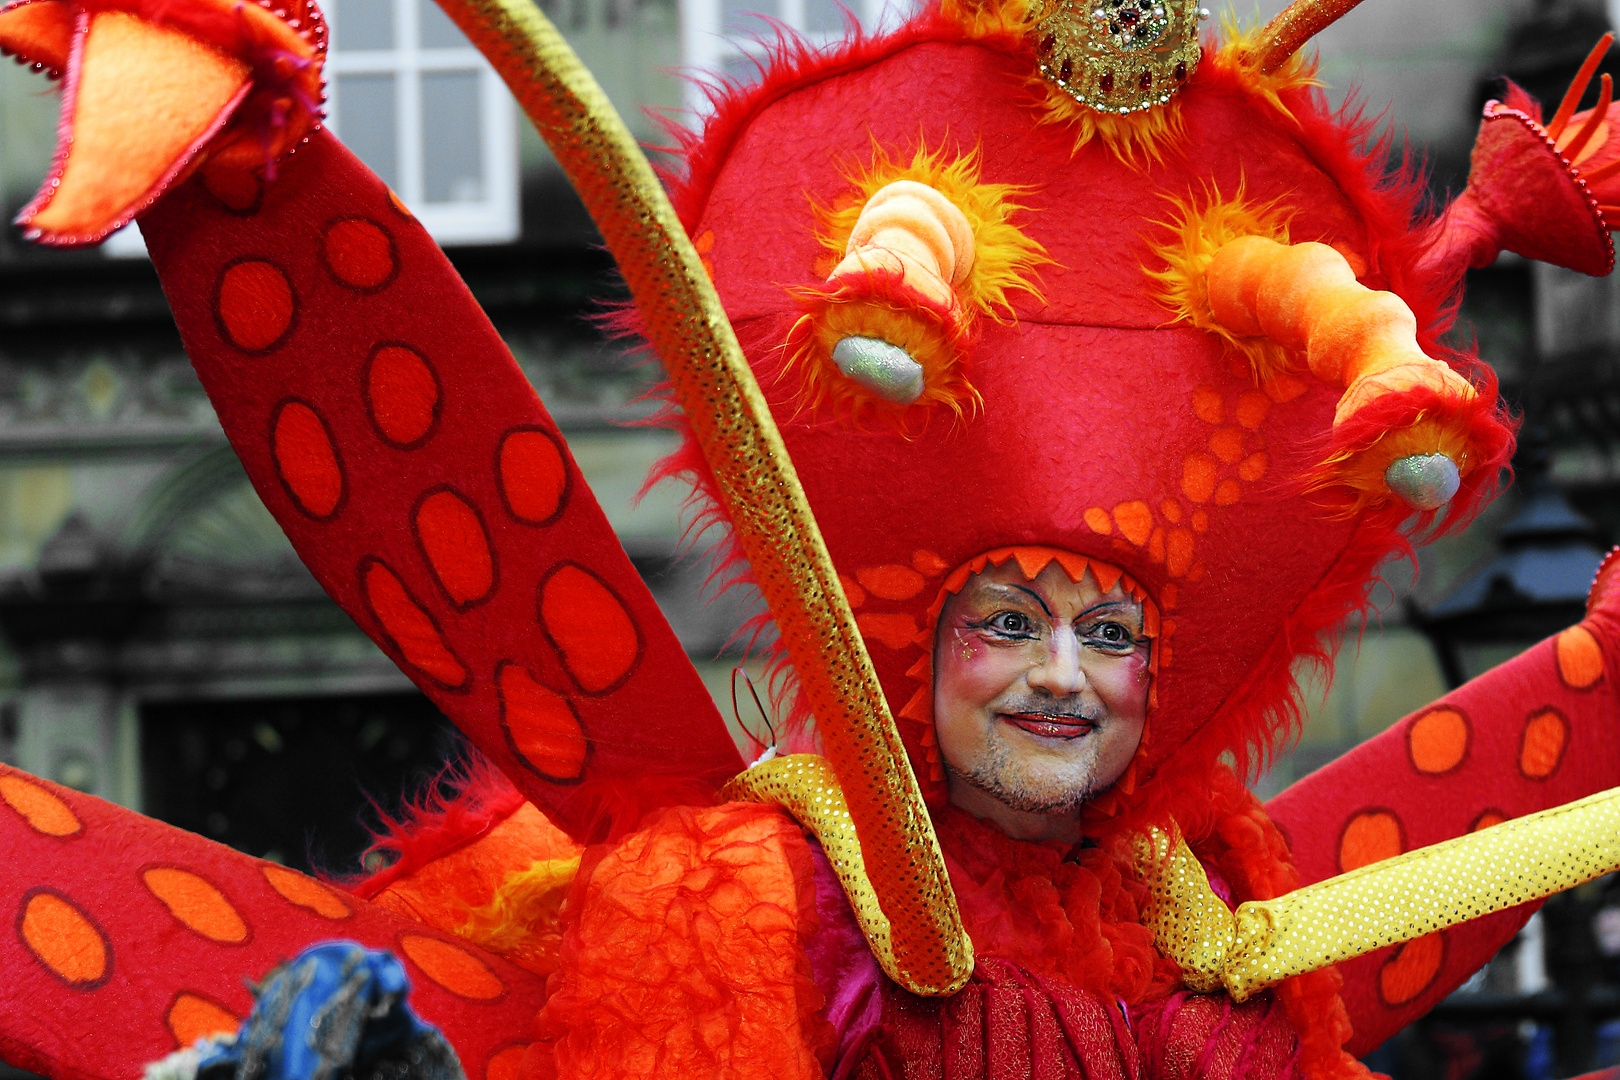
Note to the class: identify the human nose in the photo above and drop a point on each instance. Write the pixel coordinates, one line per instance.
(1059, 673)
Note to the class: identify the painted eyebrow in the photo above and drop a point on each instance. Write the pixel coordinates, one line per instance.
(1037, 597)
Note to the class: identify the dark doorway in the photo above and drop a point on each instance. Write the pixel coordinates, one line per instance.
(288, 779)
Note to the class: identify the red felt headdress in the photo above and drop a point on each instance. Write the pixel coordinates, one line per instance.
(1077, 394)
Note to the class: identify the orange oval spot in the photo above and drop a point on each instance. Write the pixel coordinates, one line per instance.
(43, 809)
(360, 254)
(1541, 749)
(852, 590)
(1171, 510)
(1580, 658)
(1371, 836)
(65, 940)
(1098, 520)
(1410, 971)
(540, 725)
(452, 967)
(1198, 474)
(403, 395)
(1252, 407)
(590, 627)
(1135, 520)
(238, 189)
(1437, 741)
(1179, 552)
(1253, 467)
(894, 631)
(408, 626)
(456, 547)
(306, 459)
(928, 564)
(196, 903)
(533, 476)
(306, 892)
(255, 305)
(192, 1017)
(1156, 544)
(1207, 405)
(1486, 819)
(1227, 443)
(1228, 492)
(1281, 388)
(504, 1064)
(1200, 521)
(891, 582)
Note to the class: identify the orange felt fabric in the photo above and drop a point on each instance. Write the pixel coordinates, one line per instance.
(144, 99)
(442, 892)
(688, 957)
(40, 33)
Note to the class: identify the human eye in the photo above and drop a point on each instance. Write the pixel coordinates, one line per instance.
(1110, 636)
(1012, 625)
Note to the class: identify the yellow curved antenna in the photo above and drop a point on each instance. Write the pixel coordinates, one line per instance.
(758, 486)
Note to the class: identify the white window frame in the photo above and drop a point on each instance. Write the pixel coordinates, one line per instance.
(494, 218)
(708, 41)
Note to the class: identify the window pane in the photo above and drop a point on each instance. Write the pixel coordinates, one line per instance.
(365, 120)
(452, 142)
(823, 16)
(734, 12)
(435, 30)
(363, 24)
(740, 70)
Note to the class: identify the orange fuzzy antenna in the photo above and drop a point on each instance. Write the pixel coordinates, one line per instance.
(922, 250)
(1306, 297)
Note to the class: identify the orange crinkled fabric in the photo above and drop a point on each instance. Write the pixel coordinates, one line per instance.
(683, 953)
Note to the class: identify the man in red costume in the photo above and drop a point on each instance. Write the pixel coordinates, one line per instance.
(1109, 361)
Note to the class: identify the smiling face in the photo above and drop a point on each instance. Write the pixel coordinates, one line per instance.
(1040, 696)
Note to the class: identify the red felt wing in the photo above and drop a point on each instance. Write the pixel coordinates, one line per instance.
(388, 429)
(127, 938)
(1536, 732)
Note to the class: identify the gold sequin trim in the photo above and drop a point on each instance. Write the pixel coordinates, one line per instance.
(804, 786)
(757, 484)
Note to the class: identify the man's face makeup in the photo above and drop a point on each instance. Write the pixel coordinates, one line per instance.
(1040, 692)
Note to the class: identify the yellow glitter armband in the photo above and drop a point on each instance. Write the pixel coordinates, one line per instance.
(1384, 903)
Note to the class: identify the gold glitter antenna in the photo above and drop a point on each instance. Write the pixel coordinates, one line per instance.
(1296, 24)
(757, 483)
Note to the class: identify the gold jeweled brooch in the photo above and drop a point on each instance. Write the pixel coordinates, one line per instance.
(1119, 56)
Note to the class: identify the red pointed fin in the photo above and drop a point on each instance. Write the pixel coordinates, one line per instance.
(124, 938)
(389, 431)
(141, 101)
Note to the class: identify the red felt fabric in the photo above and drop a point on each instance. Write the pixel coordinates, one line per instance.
(154, 970)
(431, 544)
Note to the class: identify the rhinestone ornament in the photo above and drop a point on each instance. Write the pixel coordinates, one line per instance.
(1423, 481)
(886, 370)
(1119, 56)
